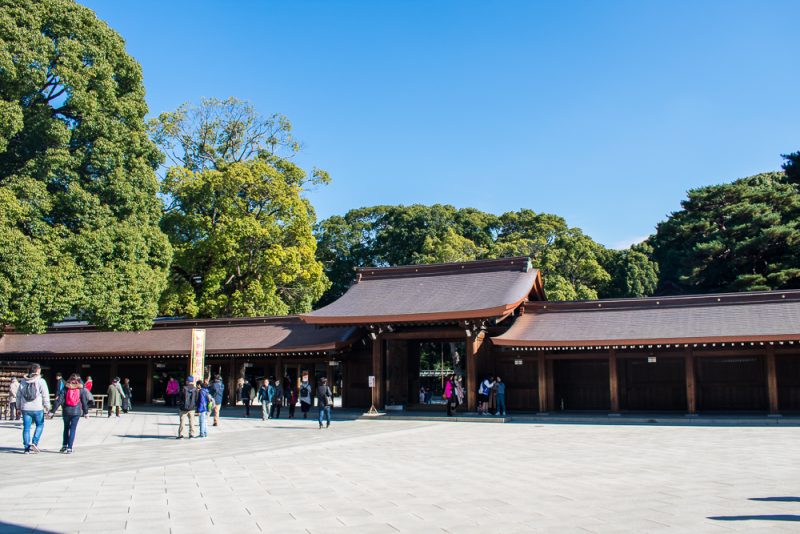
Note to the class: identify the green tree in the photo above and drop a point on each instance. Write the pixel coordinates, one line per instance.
(792, 167)
(79, 209)
(633, 273)
(235, 213)
(741, 236)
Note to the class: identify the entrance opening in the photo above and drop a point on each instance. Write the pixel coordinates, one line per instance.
(788, 371)
(659, 385)
(732, 384)
(581, 385)
(137, 372)
(430, 364)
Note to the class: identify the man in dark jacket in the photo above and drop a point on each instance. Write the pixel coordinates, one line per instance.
(217, 389)
(244, 395)
(187, 402)
(325, 400)
(74, 402)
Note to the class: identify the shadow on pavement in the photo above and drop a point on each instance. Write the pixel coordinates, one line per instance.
(10, 528)
(144, 436)
(776, 499)
(766, 517)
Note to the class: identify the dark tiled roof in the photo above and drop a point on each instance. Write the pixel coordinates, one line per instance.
(440, 292)
(729, 317)
(222, 337)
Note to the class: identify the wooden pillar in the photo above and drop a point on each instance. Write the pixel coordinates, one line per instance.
(472, 375)
(691, 390)
(772, 381)
(279, 368)
(148, 386)
(613, 383)
(551, 387)
(345, 385)
(541, 374)
(377, 372)
(233, 377)
(113, 369)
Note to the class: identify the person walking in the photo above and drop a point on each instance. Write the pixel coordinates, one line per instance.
(88, 384)
(74, 400)
(217, 390)
(325, 400)
(263, 399)
(460, 397)
(59, 384)
(12, 399)
(292, 400)
(305, 397)
(173, 388)
(500, 389)
(450, 395)
(114, 396)
(244, 395)
(276, 400)
(33, 398)
(127, 391)
(204, 404)
(187, 403)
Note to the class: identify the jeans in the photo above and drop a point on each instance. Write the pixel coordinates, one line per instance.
(190, 416)
(29, 418)
(501, 404)
(203, 416)
(326, 412)
(70, 428)
(265, 410)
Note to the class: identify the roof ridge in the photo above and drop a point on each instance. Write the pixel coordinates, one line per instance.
(516, 263)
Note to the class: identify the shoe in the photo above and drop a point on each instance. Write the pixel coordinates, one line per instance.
(179, 437)
(63, 449)
(320, 426)
(216, 424)
(326, 426)
(69, 451)
(27, 450)
(35, 448)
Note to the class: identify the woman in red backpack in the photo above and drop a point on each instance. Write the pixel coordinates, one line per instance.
(74, 402)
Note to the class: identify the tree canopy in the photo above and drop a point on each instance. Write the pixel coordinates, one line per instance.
(235, 213)
(741, 236)
(79, 210)
(572, 264)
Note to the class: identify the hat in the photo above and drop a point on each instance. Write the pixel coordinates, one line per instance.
(190, 378)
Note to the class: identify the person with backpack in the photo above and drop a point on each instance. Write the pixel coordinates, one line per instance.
(74, 402)
(33, 398)
(204, 405)
(114, 396)
(187, 404)
(244, 395)
(12, 399)
(275, 400)
(305, 397)
(217, 390)
(325, 399)
(263, 399)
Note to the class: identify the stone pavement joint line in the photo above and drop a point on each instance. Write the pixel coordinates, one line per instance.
(131, 475)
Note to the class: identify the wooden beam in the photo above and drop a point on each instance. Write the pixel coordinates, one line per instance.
(613, 383)
(772, 381)
(439, 333)
(691, 390)
(377, 372)
(542, 377)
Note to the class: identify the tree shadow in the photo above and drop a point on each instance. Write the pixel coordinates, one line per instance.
(776, 499)
(765, 517)
(10, 528)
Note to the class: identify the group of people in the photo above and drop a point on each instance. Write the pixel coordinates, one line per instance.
(272, 395)
(199, 398)
(491, 393)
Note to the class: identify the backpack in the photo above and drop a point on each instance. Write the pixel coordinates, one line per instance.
(72, 397)
(31, 390)
(186, 403)
(305, 390)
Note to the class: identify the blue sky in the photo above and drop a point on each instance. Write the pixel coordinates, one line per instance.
(605, 113)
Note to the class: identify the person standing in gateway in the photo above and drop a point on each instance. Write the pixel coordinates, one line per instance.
(325, 399)
(115, 397)
(33, 398)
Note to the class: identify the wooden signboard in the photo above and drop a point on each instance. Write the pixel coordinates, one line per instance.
(198, 354)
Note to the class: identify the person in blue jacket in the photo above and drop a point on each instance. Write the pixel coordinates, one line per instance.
(217, 390)
(204, 401)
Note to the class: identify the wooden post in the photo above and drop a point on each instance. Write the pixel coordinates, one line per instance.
(279, 368)
(613, 383)
(691, 390)
(772, 381)
(472, 378)
(232, 379)
(551, 386)
(377, 371)
(148, 387)
(542, 377)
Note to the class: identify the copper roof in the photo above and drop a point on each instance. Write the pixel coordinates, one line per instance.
(260, 335)
(728, 317)
(436, 292)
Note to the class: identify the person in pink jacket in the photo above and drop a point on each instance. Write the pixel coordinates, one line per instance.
(450, 395)
(172, 391)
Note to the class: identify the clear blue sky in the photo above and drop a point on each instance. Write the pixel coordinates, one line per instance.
(603, 112)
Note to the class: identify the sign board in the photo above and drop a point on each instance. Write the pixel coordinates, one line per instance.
(333, 363)
(651, 359)
(371, 381)
(198, 355)
(517, 362)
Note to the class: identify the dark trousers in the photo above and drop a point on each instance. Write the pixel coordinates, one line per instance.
(14, 415)
(70, 429)
(111, 408)
(291, 409)
(246, 403)
(275, 410)
(452, 405)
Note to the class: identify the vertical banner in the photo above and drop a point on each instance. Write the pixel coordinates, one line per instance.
(198, 354)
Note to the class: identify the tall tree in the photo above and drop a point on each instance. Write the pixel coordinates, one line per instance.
(236, 213)
(740, 236)
(79, 209)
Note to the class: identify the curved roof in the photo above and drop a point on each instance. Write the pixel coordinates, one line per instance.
(435, 292)
(262, 335)
(722, 318)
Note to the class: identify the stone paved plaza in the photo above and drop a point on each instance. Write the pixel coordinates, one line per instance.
(286, 476)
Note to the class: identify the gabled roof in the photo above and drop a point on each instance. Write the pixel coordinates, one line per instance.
(435, 292)
(258, 335)
(720, 318)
